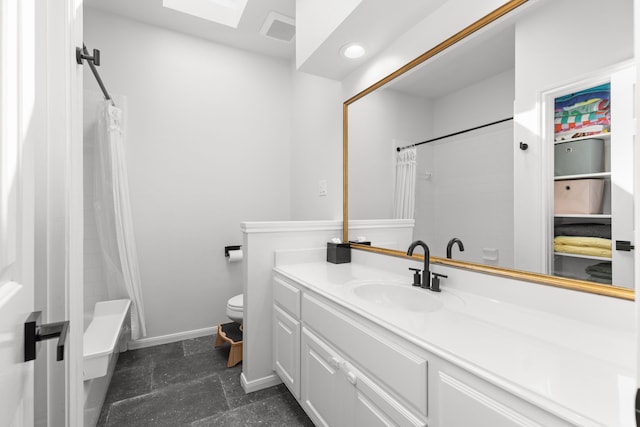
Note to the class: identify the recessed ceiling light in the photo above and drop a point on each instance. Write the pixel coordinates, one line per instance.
(225, 12)
(352, 50)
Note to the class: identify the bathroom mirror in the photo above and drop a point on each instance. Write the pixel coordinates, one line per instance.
(455, 104)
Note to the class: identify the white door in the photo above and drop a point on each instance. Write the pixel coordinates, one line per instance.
(16, 213)
(41, 201)
(636, 24)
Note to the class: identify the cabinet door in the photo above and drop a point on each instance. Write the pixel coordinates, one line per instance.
(324, 389)
(286, 349)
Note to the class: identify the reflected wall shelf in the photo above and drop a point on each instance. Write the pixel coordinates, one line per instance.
(599, 258)
(584, 176)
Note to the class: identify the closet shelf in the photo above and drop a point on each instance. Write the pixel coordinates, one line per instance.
(599, 258)
(586, 216)
(583, 176)
(605, 135)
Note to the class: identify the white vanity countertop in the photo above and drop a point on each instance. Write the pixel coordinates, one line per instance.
(577, 371)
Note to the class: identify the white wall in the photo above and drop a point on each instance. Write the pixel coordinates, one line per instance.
(208, 146)
(540, 69)
(316, 148)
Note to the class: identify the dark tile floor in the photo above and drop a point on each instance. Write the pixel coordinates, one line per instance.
(187, 383)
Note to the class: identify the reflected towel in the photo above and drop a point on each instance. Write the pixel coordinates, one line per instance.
(590, 242)
(583, 229)
(601, 270)
(582, 250)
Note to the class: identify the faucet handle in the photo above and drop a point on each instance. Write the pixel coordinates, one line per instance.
(416, 276)
(435, 282)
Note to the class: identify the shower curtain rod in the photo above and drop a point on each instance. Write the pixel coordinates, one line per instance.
(455, 133)
(93, 61)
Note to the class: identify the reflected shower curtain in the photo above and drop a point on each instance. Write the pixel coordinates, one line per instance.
(405, 189)
(113, 216)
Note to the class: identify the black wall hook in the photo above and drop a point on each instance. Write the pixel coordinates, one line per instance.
(81, 54)
(524, 146)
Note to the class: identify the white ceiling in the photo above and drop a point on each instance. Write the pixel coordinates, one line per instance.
(375, 23)
(247, 36)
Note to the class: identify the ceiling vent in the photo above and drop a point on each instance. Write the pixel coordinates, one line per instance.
(279, 27)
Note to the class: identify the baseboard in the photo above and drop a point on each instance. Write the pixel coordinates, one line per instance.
(166, 339)
(259, 384)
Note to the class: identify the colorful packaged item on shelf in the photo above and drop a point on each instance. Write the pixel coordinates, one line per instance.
(583, 113)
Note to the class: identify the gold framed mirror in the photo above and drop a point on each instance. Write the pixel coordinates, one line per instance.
(482, 25)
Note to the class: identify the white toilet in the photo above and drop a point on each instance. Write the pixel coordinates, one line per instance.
(235, 307)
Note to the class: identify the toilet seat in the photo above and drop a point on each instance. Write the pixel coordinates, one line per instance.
(236, 302)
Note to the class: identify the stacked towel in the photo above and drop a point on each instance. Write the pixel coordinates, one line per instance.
(600, 272)
(584, 230)
(580, 245)
(583, 113)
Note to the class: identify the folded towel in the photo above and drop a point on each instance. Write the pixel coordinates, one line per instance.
(590, 106)
(581, 121)
(601, 270)
(602, 280)
(582, 250)
(583, 229)
(602, 91)
(588, 242)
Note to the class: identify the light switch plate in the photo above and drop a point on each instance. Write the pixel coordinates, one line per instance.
(322, 187)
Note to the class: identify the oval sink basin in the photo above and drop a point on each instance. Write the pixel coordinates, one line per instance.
(398, 296)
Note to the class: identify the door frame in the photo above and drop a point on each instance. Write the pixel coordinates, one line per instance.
(59, 203)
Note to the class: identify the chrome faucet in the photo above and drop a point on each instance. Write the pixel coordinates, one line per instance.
(426, 274)
(450, 245)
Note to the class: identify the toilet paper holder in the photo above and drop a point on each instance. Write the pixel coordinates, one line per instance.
(231, 248)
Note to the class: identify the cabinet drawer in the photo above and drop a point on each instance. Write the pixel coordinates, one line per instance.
(402, 371)
(287, 296)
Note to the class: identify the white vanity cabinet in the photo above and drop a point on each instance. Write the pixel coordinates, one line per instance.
(286, 334)
(346, 369)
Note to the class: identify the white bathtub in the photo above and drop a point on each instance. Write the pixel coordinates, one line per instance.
(106, 335)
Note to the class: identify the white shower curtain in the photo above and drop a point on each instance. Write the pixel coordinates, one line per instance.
(405, 189)
(113, 216)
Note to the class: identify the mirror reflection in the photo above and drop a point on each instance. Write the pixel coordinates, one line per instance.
(463, 183)
(439, 145)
